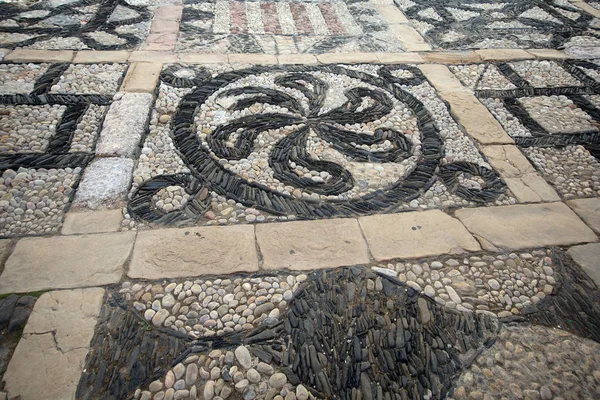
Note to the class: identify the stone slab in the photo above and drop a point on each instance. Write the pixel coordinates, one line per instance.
(399, 58)
(525, 226)
(124, 125)
(507, 160)
(48, 360)
(588, 210)
(587, 8)
(105, 184)
(203, 58)
(155, 57)
(531, 188)
(451, 57)
(90, 56)
(588, 258)
(349, 58)
(92, 222)
(548, 54)
(162, 26)
(168, 13)
(141, 77)
(25, 55)
(171, 253)
(410, 39)
(306, 245)
(306, 59)
(61, 262)
(441, 78)
(504, 54)
(475, 118)
(415, 234)
(163, 41)
(262, 59)
(391, 14)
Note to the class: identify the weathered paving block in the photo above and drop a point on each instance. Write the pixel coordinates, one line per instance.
(104, 184)
(170, 253)
(88, 56)
(588, 210)
(588, 258)
(141, 77)
(124, 125)
(531, 188)
(92, 222)
(415, 234)
(507, 160)
(23, 55)
(525, 226)
(311, 244)
(66, 262)
(56, 340)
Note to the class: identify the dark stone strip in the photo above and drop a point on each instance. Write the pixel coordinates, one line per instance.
(510, 74)
(533, 92)
(50, 77)
(517, 110)
(558, 140)
(61, 141)
(48, 161)
(67, 99)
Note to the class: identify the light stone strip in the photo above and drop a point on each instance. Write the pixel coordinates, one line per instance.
(332, 58)
(100, 221)
(50, 356)
(105, 184)
(346, 18)
(410, 39)
(588, 210)
(391, 14)
(588, 258)
(525, 226)
(286, 20)
(92, 57)
(222, 23)
(142, 77)
(254, 18)
(62, 262)
(504, 54)
(586, 7)
(24, 55)
(316, 19)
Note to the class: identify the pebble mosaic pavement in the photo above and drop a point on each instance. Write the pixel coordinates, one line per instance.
(154, 153)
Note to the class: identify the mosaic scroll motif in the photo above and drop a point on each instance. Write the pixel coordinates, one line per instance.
(296, 131)
(552, 111)
(73, 24)
(451, 24)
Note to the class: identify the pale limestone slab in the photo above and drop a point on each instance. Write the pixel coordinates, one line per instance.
(451, 57)
(504, 54)
(475, 118)
(105, 184)
(161, 41)
(305, 245)
(587, 8)
(415, 234)
(91, 56)
(186, 252)
(62, 262)
(164, 26)
(262, 59)
(92, 222)
(391, 14)
(124, 125)
(548, 54)
(531, 188)
(525, 226)
(441, 78)
(169, 13)
(507, 160)
(155, 57)
(588, 258)
(48, 360)
(588, 210)
(410, 39)
(306, 59)
(399, 58)
(141, 77)
(203, 58)
(25, 55)
(350, 58)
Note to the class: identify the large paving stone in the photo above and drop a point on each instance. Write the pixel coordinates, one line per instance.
(105, 183)
(92, 222)
(588, 210)
(124, 124)
(415, 234)
(66, 262)
(48, 360)
(311, 244)
(588, 258)
(524, 226)
(170, 253)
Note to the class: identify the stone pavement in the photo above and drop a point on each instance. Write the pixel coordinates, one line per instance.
(299, 199)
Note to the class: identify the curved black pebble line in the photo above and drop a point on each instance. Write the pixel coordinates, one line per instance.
(493, 184)
(141, 205)
(225, 183)
(168, 76)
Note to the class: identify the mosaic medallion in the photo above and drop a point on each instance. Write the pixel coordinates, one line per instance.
(379, 332)
(49, 124)
(283, 27)
(307, 142)
(550, 109)
(450, 24)
(73, 24)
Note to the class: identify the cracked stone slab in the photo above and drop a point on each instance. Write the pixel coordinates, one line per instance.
(525, 226)
(104, 184)
(66, 262)
(311, 244)
(416, 234)
(531, 188)
(588, 258)
(124, 125)
(48, 360)
(170, 253)
(588, 210)
(508, 160)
